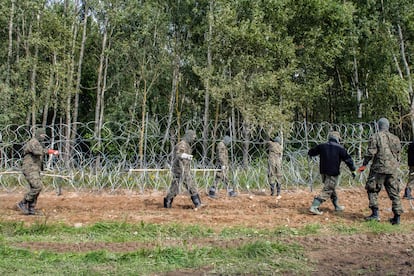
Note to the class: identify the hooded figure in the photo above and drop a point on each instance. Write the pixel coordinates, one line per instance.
(331, 154)
(181, 171)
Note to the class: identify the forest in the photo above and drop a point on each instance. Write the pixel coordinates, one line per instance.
(267, 62)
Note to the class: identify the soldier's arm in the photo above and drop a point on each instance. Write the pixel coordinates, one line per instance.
(371, 151)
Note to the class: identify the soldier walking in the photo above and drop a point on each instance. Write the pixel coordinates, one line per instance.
(223, 164)
(330, 156)
(384, 150)
(32, 166)
(274, 167)
(181, 172)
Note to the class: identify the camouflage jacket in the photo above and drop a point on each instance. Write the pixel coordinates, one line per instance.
(33, 155)
(179, 163)
(222, 155)
(384, 149)
(275, 149)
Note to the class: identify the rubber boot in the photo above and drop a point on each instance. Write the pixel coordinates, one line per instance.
(196, 200)
(407, 193)
(338, 208)
(278, 191)
(314, 209)
(231, 193)
(31, 209)
(272, 189)
(22, 205)
(212, 192)
(374, 215)
(395, 220)
(168, 202)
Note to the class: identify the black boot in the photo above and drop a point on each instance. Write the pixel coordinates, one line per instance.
(168, 202)
(278, 189)
(338, 208)
(212, 192)
(196, 200)
(231, 193)
(407, 193)
(374, 215)
(395, 220)
(32, 210)
(22, 205)
(272, 189)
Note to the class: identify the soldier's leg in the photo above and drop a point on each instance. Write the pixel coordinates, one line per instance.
(173, 191)
(212, 192)
(393, 190)
(373, 187)
(190, 186)
(271, 178)
(329, 183)
(27, 205)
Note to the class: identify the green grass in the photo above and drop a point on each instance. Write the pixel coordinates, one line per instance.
(175, 247)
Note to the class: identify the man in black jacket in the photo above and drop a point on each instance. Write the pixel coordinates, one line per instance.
(410, 183)
(330, 156)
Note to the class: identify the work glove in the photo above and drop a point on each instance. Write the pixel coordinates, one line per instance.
(52, 151)
(223, 168)
(186, 156)
(361, 169)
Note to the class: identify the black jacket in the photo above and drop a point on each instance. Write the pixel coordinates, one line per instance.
(331, 154)
(411, 154)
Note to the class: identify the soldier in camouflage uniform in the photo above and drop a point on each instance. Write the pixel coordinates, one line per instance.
(181, 172)
(331, 154)
(274, 168)
(410, 183)
(384, 151)
(32, 166)
(223, 164)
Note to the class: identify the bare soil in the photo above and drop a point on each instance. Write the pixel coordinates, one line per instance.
(367, 254)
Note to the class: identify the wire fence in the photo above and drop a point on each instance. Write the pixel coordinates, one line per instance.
(137, 156)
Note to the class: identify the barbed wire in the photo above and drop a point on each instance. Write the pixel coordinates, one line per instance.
(89, 162)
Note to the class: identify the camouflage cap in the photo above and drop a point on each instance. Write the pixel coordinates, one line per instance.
(383, 124)
(277, 140)
(190, 136)
(40, 133)
(226, 140)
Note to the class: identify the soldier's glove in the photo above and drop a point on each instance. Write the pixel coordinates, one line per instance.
(52, 151)
(361, 169)
(223, 167)
(186, 156)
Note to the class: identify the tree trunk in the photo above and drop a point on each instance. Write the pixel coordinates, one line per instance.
(10, 50)
(174, 91)
(207, 88)
(34, 75)
(79, 73)
(100, 93)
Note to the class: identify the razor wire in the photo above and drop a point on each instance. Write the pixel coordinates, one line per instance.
(136, 156)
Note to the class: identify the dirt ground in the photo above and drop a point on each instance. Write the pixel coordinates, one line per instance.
(359, 254)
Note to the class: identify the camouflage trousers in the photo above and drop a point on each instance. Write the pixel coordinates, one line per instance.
(35, 184)
(329, 188)
(274, 173)
(222, 177)
(374, 185)
(410, 183)
(184, 178)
